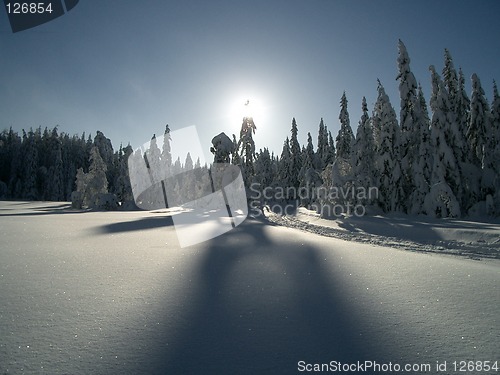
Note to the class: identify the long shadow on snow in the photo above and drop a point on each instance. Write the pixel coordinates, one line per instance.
(136, 225)
(421, 231)
(260, 307)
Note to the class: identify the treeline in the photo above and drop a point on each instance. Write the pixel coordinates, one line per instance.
(43, 164)
(445, 163)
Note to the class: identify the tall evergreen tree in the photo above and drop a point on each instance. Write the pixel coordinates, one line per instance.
(478, 122)
(423, 165)
(364, 150)
(387, 153)
(322, 152)
(410, 120)
(166, 152)
(296, 159)
(30, 167)
(345, 137)
(445, 179)
(285, 166)
(450, 79)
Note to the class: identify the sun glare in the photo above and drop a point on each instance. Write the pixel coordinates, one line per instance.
(246, 107)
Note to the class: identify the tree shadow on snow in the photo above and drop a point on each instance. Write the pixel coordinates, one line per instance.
(136, 225)
(425, 231)
(260, 307)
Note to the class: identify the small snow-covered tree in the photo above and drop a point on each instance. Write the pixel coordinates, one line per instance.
(345, 137)
(93, 184)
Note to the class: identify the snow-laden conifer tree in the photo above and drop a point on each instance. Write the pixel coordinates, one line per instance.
(495, 125)
(29, 166)
(463, 110)
(441, 201)
(263, 169)
(364, 152)
(478, 133)
(495, 148)
(295, 156)
(92, 185)
(54, 189)
(322, 152)
(285, 166)
(331, 150)
(450, 79)
(154, 162)
(345, 137)
(422, 167)
(166, 152)
(478, 122)
(309, 177)
(387, 153)
(123, 189)
(410, 120)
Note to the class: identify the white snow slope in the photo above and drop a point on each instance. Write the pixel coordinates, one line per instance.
(112, 293)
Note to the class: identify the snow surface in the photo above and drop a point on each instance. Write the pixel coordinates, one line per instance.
(112, 293)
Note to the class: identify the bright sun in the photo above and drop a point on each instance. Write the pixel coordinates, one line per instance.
(246, 107)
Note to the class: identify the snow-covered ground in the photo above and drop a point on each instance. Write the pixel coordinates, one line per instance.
(113, 293)
(475, 239)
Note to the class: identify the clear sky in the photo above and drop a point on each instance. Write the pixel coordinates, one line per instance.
(127, 68)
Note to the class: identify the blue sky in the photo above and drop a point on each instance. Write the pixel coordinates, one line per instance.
(127, 68)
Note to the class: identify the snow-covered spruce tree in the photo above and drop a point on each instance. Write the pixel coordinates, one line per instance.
(309, 177)
(166, 152)
(295, 156)
(422, 168)
(345, 137)
(155, 196)
(478, 133)
(450, 79)
(105, 148)
(29, 167)
(478, 122)
(495, 147)
(235, 157)
(123, 188)
(92, 186)
(284, 167)
(364, 153)
(263, 169)
(322, 153)
(331, 150)
(338, 177)
(263, 175)
(54, 188)
(463, 111)
(387, 153)
(410, 121)
(441, 200)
